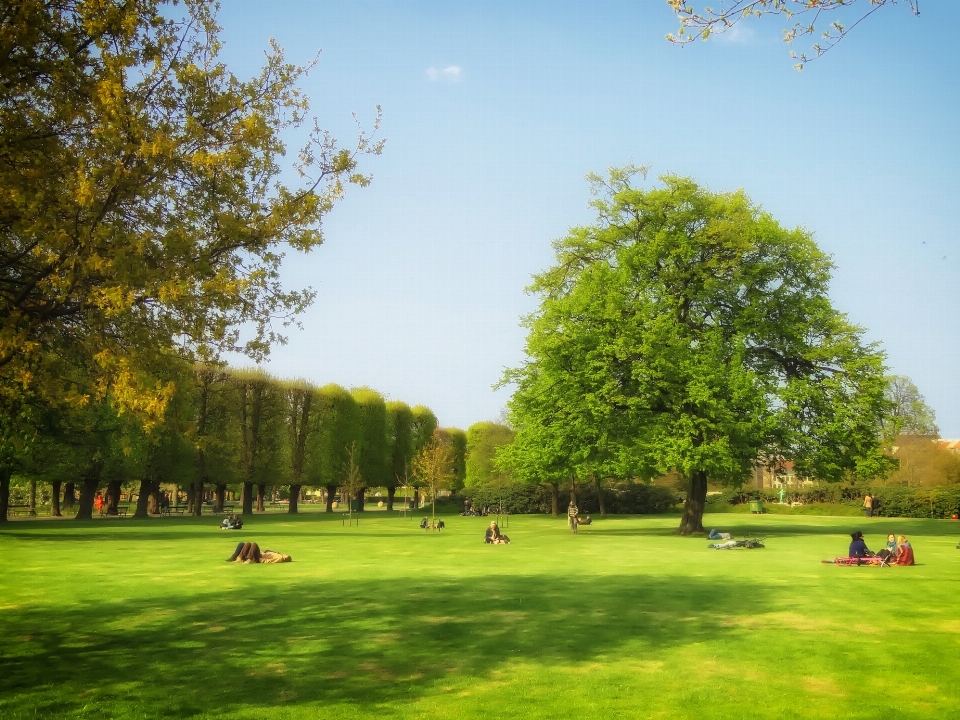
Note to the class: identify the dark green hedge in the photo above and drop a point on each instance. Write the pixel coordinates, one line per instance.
(620, 497)
(941, 502)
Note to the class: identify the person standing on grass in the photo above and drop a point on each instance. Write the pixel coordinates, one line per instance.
(868, 505)
(572, 513)
(98, 503)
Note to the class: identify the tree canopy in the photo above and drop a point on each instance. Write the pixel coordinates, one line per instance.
(483, 440)
(688, 331)
(144, 205)
(908, 413)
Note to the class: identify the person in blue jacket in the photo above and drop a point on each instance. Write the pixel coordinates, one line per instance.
(858, 548)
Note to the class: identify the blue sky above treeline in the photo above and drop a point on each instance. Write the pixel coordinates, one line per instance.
(495, 111)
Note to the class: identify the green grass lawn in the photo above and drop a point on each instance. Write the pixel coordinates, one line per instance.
(144, 619)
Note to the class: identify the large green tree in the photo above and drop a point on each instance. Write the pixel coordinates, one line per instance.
(261, 417)
(458, 446)
(400, 429)
(483, 439)
(909, 413)
(687, 330)
(144, 202)
(337, 429)
(298, 396)
(373, 448)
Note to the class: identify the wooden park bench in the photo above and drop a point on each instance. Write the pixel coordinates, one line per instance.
(18, 509)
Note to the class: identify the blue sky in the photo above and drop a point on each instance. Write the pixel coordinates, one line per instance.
(495, 111)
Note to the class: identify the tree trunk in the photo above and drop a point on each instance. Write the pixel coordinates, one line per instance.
(555, 499)
(198, 497)
(391, 494)
(599, 489)
(331, 493)
(69, 495)
(153, 499)
(4, 493)
(573, 491)
(692, 520)
(143, 499)
(294, 498)
(247, 498)
(416, 498)
(32, 498)
(113, 496)
(261, 491)
(219, 497)
(176, 495)
(88, 492)
(55, 499)
(360, 499)
(190, 499)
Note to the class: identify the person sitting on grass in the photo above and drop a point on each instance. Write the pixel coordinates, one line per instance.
(248, 552)
(231, 523)
(890, 549)
(858, 548)
(904, 554)
(493, 536)
(584, 521)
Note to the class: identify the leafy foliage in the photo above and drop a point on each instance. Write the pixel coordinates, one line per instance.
(688, 331)
(143, 204)
(804, 14)
(483, 440)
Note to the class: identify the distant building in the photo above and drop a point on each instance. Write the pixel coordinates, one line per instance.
(950, 446)
(781, 475)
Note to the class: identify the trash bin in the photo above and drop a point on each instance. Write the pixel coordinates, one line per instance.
(756, 506)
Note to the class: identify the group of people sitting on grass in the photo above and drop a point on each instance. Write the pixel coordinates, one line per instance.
(470, 511)
(428, 524)
(897, 551)
(231, 523)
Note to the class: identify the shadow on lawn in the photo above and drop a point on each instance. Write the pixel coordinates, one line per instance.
(360, 642)
(750, 526)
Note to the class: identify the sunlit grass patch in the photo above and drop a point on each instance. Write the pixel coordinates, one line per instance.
(145, 619)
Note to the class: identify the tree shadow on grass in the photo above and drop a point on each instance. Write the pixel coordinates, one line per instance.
(750, 526)
(361, 642)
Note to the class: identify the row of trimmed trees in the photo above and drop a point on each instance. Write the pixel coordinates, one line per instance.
(235, 430)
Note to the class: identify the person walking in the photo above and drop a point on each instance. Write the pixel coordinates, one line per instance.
(868, 505)
(98, 503)
(572, 513)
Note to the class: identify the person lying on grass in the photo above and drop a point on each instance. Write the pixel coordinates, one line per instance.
(493, 536)
(248, 552)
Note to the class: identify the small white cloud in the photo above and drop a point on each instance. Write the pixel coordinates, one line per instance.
(447, 74)
(737, 34)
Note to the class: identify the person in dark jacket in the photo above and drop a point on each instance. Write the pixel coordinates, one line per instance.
(858, 548)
